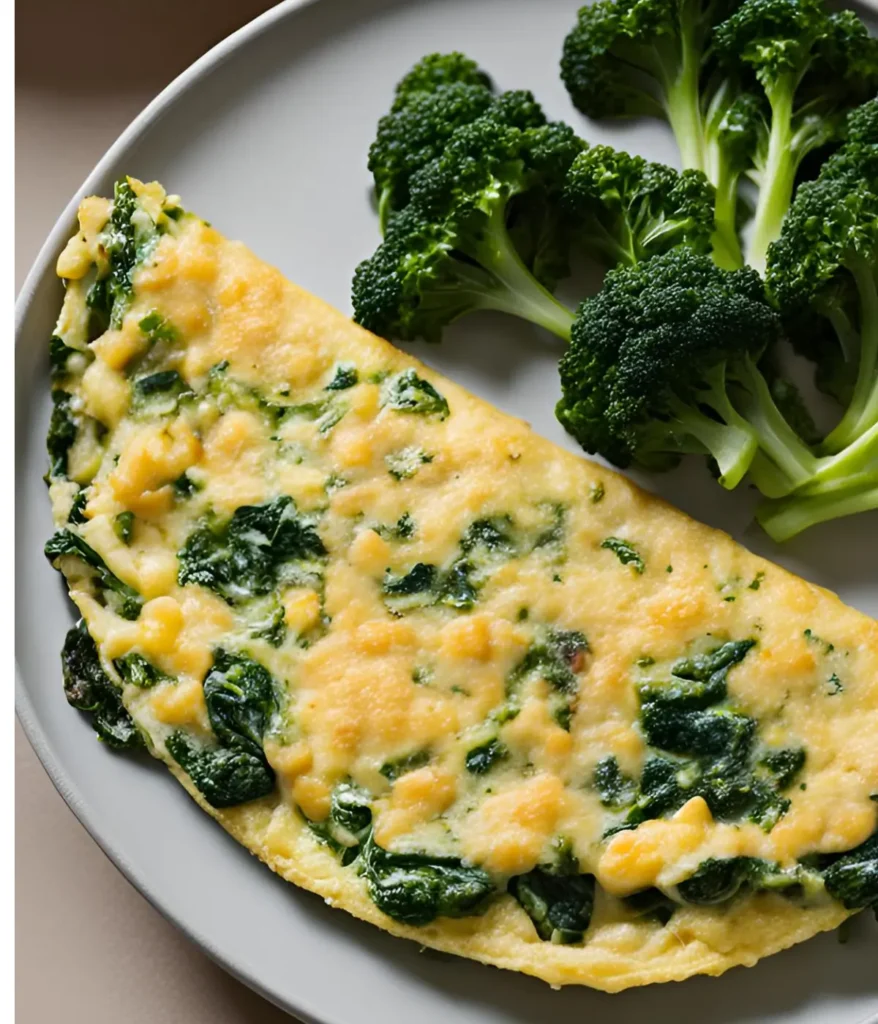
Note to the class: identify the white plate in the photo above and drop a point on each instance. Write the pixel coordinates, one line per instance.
(266, 137)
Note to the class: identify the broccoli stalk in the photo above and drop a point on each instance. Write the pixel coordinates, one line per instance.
(449, 252)
(823, 269)
(813, 67)
(733, 131)
(862, 412)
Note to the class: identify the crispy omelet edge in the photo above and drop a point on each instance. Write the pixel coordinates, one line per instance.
(777, 923)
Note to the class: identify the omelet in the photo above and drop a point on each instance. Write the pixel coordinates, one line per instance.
(464, 685)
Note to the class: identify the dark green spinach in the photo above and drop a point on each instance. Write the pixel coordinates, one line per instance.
(88, 688)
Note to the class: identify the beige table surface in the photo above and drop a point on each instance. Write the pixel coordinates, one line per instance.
(90, 949)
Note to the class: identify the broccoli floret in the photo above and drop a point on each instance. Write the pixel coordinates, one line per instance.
(660, 361)
(630, 209)
(418, 130)
(813, 67)
(735, 134)
(653, 58)
(414, 134)
(449, 252)
(633, 58)
(438, 69)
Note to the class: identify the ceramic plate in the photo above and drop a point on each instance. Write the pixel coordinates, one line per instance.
(266, 137)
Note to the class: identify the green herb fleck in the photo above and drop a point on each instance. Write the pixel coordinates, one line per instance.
(407, 392)
(123, 526)
(625, 552)
(345, 377)
(403, 464)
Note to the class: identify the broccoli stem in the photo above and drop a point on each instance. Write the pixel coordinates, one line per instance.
(845, 331)
(615, 253)
(778, 175)
(732, 442)
(682, 98)
(733, 446)
(384, 210)
(724, 241)
(859, 456)
(790, 516)
(777, 439)
(717, 167)
(862, 412)
(521, 293)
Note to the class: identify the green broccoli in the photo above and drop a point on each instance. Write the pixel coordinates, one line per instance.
(826, 262)
(435, 70)
(417, 131)
(813, 67)
(629, 209)
(822, 274)
(653, 58)
(660, 361)
(450, 252)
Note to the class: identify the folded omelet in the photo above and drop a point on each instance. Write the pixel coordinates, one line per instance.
(462, 684)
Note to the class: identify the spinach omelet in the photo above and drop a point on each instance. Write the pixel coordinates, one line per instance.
(462, 684)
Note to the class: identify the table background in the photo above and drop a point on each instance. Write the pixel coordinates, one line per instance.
(90, 949)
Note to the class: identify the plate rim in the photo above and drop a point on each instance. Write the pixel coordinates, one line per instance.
(24, 708)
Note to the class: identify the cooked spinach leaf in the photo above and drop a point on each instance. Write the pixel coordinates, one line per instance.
(88, 688)
(241, 698)
(119, 597)
(852, 879)
(136, 669)
(715, 746)
(77, 509)
(615, 789)
(257, 550)
(157, 328)
(391, 770)
(403, 464)
(626, 553)
(481, 759)
(59, 353)
(224, 777)
(416, 888)
(63, 428)
(556, 655)
(128, 239)
(556, 897)
(158, 394)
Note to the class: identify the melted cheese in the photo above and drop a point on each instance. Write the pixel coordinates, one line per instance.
(367, 683)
